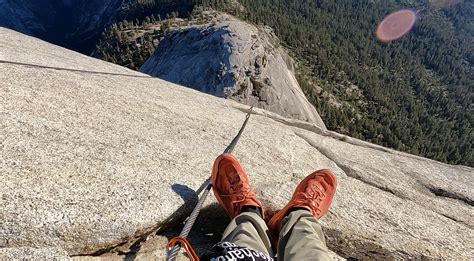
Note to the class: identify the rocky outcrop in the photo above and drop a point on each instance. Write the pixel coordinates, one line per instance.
(96, 158)
(236, 60)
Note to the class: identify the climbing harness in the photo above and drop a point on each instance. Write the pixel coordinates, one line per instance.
(176, 243)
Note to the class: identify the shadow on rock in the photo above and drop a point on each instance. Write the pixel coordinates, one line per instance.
(190, 198)
(207, 230)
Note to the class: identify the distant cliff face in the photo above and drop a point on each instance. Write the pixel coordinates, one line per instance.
(235, 60)
(77, 24)
(73, 24)
(27, 16)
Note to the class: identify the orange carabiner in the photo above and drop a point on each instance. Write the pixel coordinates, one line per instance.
(185, 244)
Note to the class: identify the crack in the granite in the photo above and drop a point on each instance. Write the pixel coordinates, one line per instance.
(347, 170)
(132, 242)
(308, 126)
(350, 173)
(439, 192)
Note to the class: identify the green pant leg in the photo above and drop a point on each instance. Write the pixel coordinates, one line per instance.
(301, 238)
(249, 230)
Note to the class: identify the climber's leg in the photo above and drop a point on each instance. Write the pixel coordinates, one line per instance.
(233, 192)
(301, 238)
(300, 235)
(249, 230)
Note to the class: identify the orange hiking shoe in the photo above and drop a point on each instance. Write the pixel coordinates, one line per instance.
(231, 186)
(314, 193)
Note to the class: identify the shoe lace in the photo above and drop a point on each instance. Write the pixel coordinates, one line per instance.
(313, 195)
(241, 189)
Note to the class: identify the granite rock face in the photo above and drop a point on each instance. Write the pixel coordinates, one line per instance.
(235, 60)
(96, 159)
(68, 23)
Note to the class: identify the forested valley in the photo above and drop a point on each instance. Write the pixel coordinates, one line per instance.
(414, 94)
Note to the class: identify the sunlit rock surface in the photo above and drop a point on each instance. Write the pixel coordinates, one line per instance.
(95, 158)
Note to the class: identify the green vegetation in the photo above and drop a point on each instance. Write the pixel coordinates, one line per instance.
(139, 9)
(414, 94)
(143, 24)
(130, 43)
(132, 40)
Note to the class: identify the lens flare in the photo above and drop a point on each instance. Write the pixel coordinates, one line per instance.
(395, 25)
